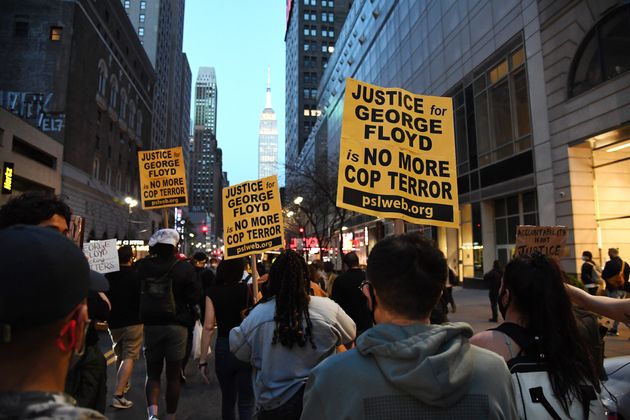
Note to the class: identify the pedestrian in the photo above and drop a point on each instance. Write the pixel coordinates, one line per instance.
(448, 291)
(590, 274)
(403, 367)
(86, 381)
(318, 276)
(315, 277)
(214, 263)
(331, 276)
(492, 279)
(285, 337)
(615, 274)
(347, 294)
(225, 303)
(125, 327)
(43, 316)
(167, 291)
(540, 330)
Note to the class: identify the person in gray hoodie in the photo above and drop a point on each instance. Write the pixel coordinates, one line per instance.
(403, 367)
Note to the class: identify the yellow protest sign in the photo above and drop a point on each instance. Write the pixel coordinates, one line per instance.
(397, 155)
(548, 240)
(162, 178)
(252, 217)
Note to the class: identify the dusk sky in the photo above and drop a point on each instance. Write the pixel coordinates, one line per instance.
(239, 39)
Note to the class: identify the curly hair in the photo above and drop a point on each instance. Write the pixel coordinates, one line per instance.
(32, 208)
(289, 284)
(537, 284)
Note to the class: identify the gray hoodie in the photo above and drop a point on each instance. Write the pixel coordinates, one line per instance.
(414, 371)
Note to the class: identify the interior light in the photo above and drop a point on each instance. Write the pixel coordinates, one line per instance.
(619, 147)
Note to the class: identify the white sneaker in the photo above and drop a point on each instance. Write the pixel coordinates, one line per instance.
(121, 402)
(153, 418)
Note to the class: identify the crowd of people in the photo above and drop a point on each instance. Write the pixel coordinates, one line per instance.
(293, 340)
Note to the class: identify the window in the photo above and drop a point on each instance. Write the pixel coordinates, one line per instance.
(510, 212)
(324, 32)
(143, 4)
(307, 16)
(331, 17)
(127, 4)
(102, 77)
(108, 175)
(141, 31)
(113, 94)
(21, 26)
(331, 33)
(306, 30)
(95, 168)
(141, 17)
(313, 31)
(55, 33)
(313, 2)
(603, 54)
(118, 181)
(324, 17)
(97, 143)
(123, 105)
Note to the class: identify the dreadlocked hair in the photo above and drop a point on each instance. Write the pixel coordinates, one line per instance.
(289, 284)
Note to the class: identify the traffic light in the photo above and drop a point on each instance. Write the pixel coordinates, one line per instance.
(301, 230)
(204, 229)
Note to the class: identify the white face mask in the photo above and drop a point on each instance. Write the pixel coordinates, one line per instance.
(584, 259)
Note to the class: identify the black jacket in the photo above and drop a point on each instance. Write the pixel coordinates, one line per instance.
(493, 280)
(185, 289)
(613, 267)
(124, 295)
(347, 294)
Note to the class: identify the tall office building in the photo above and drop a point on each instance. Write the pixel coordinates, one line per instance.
(206, 100)
(312, 29)
(268, 137)
(206, 158)
(160, 27)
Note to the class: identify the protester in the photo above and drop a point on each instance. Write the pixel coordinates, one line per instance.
(347, 294)
(448, 290)
(36, 208)
(492, 279)
(43, 316)
(125, 327)
(617, 309)
(316, 270)
(225, 303)
(214, 263)
(616, 273)
(590, 274)
(329, 271)
(540, 329)
(86, 381)
(316, 280)
(168, 289)
(403, 367)
(287, 336)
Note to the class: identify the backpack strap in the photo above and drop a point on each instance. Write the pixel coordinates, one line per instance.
(538, 396)
(518, 334)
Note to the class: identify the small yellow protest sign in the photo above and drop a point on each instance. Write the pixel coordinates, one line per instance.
(548, 240)
(252, 217)
(162, 178)
(397, 155)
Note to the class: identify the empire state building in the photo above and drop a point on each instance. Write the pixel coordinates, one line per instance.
(268, 137)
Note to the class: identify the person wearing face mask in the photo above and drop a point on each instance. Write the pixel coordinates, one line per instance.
(590, 274)
(403, 367)
(43, 318)
(541, 331)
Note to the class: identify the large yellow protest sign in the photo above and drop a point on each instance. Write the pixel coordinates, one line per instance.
(397, 155)
(252, 217)
(162, 178)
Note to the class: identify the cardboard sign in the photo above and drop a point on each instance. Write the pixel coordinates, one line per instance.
(397, 156)
(548, 240)
(252, 217)
(102, 255)
(7, 178)
(162, 178)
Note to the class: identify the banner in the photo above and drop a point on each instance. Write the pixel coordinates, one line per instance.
(548, 240)
(397, 155)
(102, 255)
(252, 217)
(162, 178)
(7, 178)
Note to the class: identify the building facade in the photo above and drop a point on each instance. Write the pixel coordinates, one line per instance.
(312, 30)
(541, 93)
(92, 92)
(268, 137)
(160, 28)
(206, 100)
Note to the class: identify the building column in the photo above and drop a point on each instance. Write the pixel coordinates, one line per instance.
(488, 235)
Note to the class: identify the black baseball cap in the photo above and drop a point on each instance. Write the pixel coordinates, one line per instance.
(35, 293)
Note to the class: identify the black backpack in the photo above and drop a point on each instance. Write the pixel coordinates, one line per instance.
(156, 295)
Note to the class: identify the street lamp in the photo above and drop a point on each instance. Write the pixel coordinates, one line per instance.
(131, 203)
(290, 213)
(298, 200)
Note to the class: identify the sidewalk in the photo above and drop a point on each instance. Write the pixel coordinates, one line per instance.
(473, 307)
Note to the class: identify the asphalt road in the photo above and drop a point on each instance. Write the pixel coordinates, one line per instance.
(203, 402)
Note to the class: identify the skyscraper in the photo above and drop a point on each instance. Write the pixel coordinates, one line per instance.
(312, 30)
(160, 27)
(268, 137)
(206, 100)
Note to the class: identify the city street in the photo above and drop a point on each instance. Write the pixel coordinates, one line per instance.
(203, 402)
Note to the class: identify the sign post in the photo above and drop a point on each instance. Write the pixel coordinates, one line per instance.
(397, 155)
(252, 217)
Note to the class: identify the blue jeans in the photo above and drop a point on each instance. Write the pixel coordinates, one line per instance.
(235, 379)
(617, 294)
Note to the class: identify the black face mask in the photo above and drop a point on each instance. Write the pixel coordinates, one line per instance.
(503, 308)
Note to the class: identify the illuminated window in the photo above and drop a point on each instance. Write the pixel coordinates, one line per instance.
(142, 17)
(55, 33)
(143, 4)
(141, 31)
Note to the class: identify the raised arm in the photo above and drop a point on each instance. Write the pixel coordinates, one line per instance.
(617, 309)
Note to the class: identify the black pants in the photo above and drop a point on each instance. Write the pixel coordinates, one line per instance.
(87, 381)
(235, 380)
(290, 410)
(494, 301)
